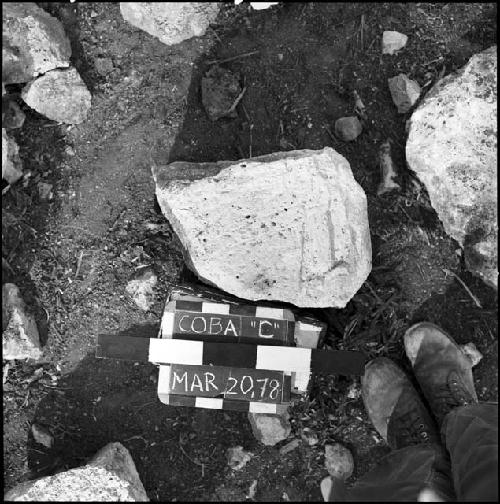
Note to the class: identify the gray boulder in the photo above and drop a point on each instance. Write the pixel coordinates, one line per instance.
(110, 476)
(33, 42)
(290, 226)
(452, 147)
(170, 22)
(60, 95)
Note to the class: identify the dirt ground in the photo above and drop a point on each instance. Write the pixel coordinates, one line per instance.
(73, 256)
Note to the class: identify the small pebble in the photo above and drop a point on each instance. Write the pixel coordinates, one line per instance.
(338, 461)
(471, 351)
(42, 436)
(348, 128)
(237, 457)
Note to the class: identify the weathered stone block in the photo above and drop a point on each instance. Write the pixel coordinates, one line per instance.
(452, 147)
(290, 226)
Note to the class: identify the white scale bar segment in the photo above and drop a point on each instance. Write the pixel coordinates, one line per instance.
(256, 407)
(221, 309)
(270, 313)
(167, 324)
(209, 402)
(278, 358)
(176, 351)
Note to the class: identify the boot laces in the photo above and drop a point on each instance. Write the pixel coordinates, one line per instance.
(450, 395)
(411, 428)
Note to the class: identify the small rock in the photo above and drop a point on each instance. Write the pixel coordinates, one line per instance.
(219, 90)
(170, 22)
(309, 436)
(11, 162)
(393, 41)
(269, 428)
(237, 457)
(404, 91)
(348, 128)
(69, 151)
(110, 476)
(471, 351)
(20, 340)
(388, 170)
(60, 95)
(103, 66)
(354, 391)
(42, 436)
(292, 445)
(33, 42)
(12, 115)
(252, 490)
(45, 191)
(141, 288)
(338, 461)
(326, 488)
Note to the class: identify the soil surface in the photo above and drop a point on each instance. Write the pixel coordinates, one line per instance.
(73, 255)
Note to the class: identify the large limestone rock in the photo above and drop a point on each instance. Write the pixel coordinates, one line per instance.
(110, 476)
(33, 42)
(452, 147)
(290, 226)
(60, 95)
(171, 22)
(20, 339)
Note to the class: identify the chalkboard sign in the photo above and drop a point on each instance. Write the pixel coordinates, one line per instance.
(240, 384)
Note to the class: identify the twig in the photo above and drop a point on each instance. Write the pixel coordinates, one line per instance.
(145, 404)
(250, 127)
(462, 283)
(115, 223)
(134, 437)
(193, 461)
(332, 136)
(216, 34)
(5, 190)
(232, 58)
(372, 290)
(79, 263)
(362, 30)
(238, 99)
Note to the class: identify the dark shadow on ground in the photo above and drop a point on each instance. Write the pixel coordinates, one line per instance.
(104, 401)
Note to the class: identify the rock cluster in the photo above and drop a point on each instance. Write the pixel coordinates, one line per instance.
(452, 147)
(37, 51)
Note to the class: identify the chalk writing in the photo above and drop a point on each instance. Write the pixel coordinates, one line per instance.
(225, 382)
(206, 324)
